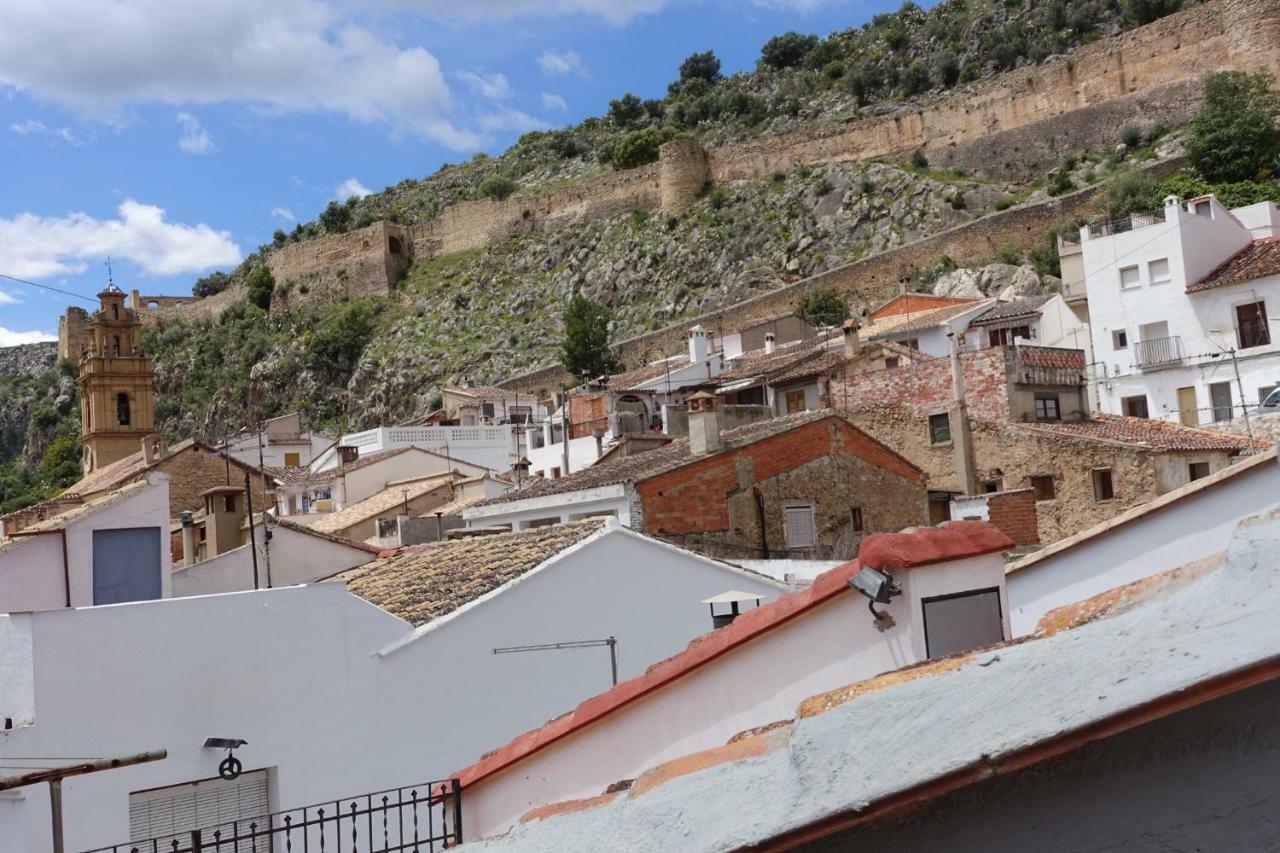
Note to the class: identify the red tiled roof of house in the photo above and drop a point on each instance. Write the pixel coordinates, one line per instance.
(911, 303)
(953, 540)
(1158, 435)
(761, 363)
(1259, 259)
(1051, 357)
(896, 324)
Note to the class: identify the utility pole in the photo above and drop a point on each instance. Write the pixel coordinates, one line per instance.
(266, 531)
(1244, 401)
(564, 427)
(253, 539)
(961, 436)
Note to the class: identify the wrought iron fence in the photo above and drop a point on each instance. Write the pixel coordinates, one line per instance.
(1158, 352)
(415, 819)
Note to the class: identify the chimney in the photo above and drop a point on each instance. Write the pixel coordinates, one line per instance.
(224, 509)
(698, 350)
(468, 381)
(148, 450)
(852, 341)
(188, 538)
(598, 434)
(704, 424)
(162, 446)
(961, 437)
(348, 454)
(769, 338)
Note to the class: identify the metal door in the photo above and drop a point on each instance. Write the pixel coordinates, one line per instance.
(126, 565)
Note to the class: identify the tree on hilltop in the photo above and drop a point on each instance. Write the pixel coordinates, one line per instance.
(700, 66)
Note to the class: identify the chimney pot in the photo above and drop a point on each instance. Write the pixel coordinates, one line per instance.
(852, 340)
(704, 424)
(769, 340)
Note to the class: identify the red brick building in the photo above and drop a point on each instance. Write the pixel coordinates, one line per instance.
(809, 485)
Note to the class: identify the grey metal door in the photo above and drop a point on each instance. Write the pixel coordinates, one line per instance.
(126, 565)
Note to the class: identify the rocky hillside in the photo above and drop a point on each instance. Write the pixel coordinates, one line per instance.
(39, 423)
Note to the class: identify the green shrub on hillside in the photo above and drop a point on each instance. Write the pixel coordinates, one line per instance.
(261, 284)
(1233, 137)
(585, 349)
(498, 187)
(822, 307)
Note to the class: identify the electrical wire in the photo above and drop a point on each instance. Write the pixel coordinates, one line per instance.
(48, 287)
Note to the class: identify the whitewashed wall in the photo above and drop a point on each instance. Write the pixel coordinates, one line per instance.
(333, 695)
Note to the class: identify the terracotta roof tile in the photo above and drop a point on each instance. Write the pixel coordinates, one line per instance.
(660, 460)
(1024, 306)
(646, 373)
(953, 540)
(1145, 432)
(80, 510)
(1072, 359)
(1259, 259)
(896, 324)
(424, 582)
(761, 363)
(377, 504)
(117, 472)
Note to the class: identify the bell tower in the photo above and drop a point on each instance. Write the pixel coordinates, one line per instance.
(117, 383)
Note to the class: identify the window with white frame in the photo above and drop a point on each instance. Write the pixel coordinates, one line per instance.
(1119, 339)
(1130, 277)
(1158, 271)
(799, 527)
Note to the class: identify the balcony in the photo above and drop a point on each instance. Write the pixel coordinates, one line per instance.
(1158, 352)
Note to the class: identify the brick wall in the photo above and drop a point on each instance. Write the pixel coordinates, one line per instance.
(1014, 512)
(711, 506)
(924, 387)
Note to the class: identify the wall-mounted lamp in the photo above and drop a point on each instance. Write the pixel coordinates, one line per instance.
(877, 586)
(230, 767)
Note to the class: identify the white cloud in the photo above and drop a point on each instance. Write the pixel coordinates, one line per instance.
(553, 102)
(559, 64)
(33, 246)
(801, 6)
(492, 86)
(195, 139)
(33, 126)
(284, 214)
(9, 299)
(288, 56)
(508, 119)
(10, 338)
(614, 11)
(351, 187)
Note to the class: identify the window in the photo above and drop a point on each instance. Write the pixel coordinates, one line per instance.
(1196, 470)
(799, 529)
(1220, 396)
(1006, 337)
(1047, 407)
(229, 503)
(1251, 325)
(486, 409)
(1103, 489)
(912, 343)
(795, 401)
(292, 460)
(990, 487)
(1130, 278)
(960, 622)
(939, 428)
(1265, 391)
(1042, 486)
(520, 414)
(1158, 271)
(555, 473)
(1119, 339)
(892, 362)
(1135, 407)
(856, 521)
(1204, 208)
(122, 409)
(115, 345)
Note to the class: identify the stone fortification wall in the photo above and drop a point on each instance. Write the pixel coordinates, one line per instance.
(365, 262)
(1147, 73)
(71, 332)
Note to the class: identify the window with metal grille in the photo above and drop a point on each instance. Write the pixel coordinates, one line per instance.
(939, 428)
(800, 530)
(1251, 325)
(1135, 407)
(1047, 406)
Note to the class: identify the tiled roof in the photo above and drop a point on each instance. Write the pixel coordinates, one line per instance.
(424, 582)
(954, 540)
(377, 504)
(122, 469)
(807, 778)
(824, 363)
(1259, 259)
(1071, 359)
(633, 378)
(897, 324)
(287, 524)
(486, 392)
(80, 510)
(914, 303)
(1145, 432)
(761, 363)
(289, 474)
(660, 460)
(1025, 306)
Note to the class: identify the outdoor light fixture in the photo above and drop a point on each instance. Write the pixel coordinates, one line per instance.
(877, 586)
(230, 767)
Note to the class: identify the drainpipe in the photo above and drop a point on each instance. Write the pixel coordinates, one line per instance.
(961, 437)
(66, 566)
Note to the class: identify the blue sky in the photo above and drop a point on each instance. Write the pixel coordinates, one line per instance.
(175, 137)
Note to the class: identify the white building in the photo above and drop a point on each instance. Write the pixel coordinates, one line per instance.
(923, 322)
(282, 442)
(339, 690)
(109, 549)
(1194, 522)
(1045, 321)
(755, 671)
(1183, 309)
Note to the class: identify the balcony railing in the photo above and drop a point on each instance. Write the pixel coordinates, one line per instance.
(421, 818)
(1158, 352)
(1108, 227)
